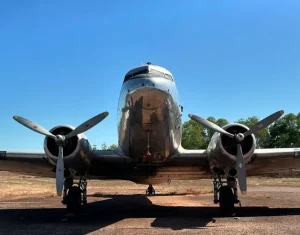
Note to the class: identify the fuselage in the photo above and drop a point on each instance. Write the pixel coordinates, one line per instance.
(149, 115)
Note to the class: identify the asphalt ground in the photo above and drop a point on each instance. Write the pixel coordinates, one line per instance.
(265, 210)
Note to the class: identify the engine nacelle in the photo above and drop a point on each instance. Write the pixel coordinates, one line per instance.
(75, 151)
(222, 150)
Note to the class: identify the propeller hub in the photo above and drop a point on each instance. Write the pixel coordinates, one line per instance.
(60, 140)
(239, 137)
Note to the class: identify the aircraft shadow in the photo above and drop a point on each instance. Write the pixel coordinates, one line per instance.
(103, 195)
(113, 208)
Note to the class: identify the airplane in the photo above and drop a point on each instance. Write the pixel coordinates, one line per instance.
(149, 147)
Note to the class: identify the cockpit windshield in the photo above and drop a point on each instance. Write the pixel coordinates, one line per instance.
(148, 72)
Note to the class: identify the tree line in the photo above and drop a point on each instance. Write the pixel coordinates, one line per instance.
(284, 133)
(105, 147)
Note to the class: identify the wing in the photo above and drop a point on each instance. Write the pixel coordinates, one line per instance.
(108, 157)
(187, 164)
(277, 160)
(189, 157)
(36, 163)
(263, 161)
(33, 163)
(109, 164)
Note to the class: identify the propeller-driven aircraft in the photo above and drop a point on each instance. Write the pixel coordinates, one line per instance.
(149, 147)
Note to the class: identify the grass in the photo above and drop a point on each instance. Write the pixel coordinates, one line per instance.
(14, 186)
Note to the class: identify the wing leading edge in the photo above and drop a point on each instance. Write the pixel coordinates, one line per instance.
(277, 160)
(263, 161)
(34, 163)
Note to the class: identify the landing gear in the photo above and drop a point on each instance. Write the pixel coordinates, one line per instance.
(226, 201)
(74, 200)
(74, 195)
(150, 190)
(68, 183)
(228, 195)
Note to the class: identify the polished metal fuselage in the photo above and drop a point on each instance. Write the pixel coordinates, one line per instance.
(149, 116)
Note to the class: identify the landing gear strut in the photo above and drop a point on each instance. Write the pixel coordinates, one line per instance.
(74, 194)
(228, 195)
(150, 190)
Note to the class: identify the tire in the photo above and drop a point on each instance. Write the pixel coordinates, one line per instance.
(226, 200)
(74, 200)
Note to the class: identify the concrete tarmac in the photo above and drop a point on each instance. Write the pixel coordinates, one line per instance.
(270, 210)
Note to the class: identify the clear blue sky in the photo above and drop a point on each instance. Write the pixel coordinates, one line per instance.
(62, 63)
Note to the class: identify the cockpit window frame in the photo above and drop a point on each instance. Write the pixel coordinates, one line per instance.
(148, 72)
(131, 75)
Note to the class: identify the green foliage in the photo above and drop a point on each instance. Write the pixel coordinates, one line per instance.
(103, 146)
(193, 135)
(262, 136)
(209, 133)
(284, 133)
(111, 147)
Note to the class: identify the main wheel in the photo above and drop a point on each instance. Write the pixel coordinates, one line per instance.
(74, 200)
(226, 200)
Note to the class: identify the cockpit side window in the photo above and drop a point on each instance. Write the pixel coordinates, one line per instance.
(169, 77)
(161, 74)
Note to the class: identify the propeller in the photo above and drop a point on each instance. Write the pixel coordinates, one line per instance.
(60, 141)
(240, 163)
(210, 125)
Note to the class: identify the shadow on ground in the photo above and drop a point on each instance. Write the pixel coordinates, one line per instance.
(113, 208)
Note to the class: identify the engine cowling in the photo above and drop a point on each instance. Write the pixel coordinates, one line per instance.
(76, 149)
(222, 150)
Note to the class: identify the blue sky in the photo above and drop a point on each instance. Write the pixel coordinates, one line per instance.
(63, 62)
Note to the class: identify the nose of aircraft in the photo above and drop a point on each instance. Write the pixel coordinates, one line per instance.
(148, 97)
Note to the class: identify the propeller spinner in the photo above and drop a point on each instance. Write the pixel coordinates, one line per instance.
(60, 141)
(240, 163)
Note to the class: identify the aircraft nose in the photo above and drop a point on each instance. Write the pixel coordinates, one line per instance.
(149, 97)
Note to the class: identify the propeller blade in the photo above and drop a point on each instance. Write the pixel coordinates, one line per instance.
(210, 125)
(87, 125)
(60, 171)
(241, 169)
(264, 123)
(33, 126)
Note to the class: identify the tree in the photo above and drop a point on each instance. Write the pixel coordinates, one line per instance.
(111, 147)
(103, 146)
(285, 132)
(209, 132)
(262, 136)
(94, 147)
(193, 136)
